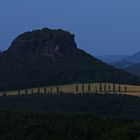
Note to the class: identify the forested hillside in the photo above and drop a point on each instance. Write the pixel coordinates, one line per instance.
(65, 126)
(51, 57)
(117, 106)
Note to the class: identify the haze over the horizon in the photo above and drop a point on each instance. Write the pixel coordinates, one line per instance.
(100, 26)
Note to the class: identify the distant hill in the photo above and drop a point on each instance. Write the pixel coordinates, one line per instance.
(130, 64)
(111, 58)
(134, 69)
(51, 57)
(122, 64)
(135, 58)
(128, 61)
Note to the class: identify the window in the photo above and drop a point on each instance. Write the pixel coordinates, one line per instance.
(4, 94)
(32, 91)
(104, 87)
(125, 88)
(26, 91)
(82, 88)
(38, 90)
(100, 87)
(89, 87)
(108, 87)
(96, 89)
(19, 92)
(45, 90)
(119, 88)
(57, 89)
(76, 88)
(113, 87)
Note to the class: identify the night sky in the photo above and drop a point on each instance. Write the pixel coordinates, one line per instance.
(100, 26)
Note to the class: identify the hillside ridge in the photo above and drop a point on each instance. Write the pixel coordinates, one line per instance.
(51, 57)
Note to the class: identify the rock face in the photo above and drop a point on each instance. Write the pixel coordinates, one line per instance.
(45, 42)
(51, 57)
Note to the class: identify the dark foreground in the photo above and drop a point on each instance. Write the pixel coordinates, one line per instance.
(70, 117)
(65, 126)
(117, 106)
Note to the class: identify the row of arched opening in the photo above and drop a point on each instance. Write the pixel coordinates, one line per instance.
(102, 88)
(77, 88)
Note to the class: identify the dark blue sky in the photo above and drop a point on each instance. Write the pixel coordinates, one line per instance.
(100, 26)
